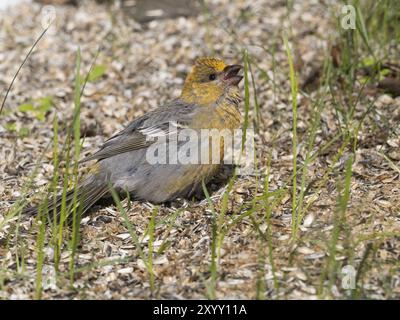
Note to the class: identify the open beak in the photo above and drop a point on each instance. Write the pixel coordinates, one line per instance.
(231, 74)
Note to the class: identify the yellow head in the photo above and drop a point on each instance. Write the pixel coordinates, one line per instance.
(210, 79)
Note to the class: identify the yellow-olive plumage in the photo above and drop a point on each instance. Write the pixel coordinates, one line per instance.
(209, 100)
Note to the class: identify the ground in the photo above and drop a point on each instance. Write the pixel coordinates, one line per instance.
(347, 195)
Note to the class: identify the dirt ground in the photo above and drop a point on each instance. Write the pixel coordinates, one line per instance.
(145, 65)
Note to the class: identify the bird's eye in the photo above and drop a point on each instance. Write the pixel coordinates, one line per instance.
(212, 77)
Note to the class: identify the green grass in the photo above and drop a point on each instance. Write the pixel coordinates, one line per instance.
(40, 252)
(147, 260)
(294, 89)
(331, 265)
(77, 209)
(347, 139)
(212, 285)
(63, 236)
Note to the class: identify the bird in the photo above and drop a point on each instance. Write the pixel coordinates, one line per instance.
(209, 100)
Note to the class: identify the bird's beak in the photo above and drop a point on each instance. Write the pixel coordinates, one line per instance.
(230, 74)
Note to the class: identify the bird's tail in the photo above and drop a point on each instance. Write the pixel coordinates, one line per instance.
(87, 195)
